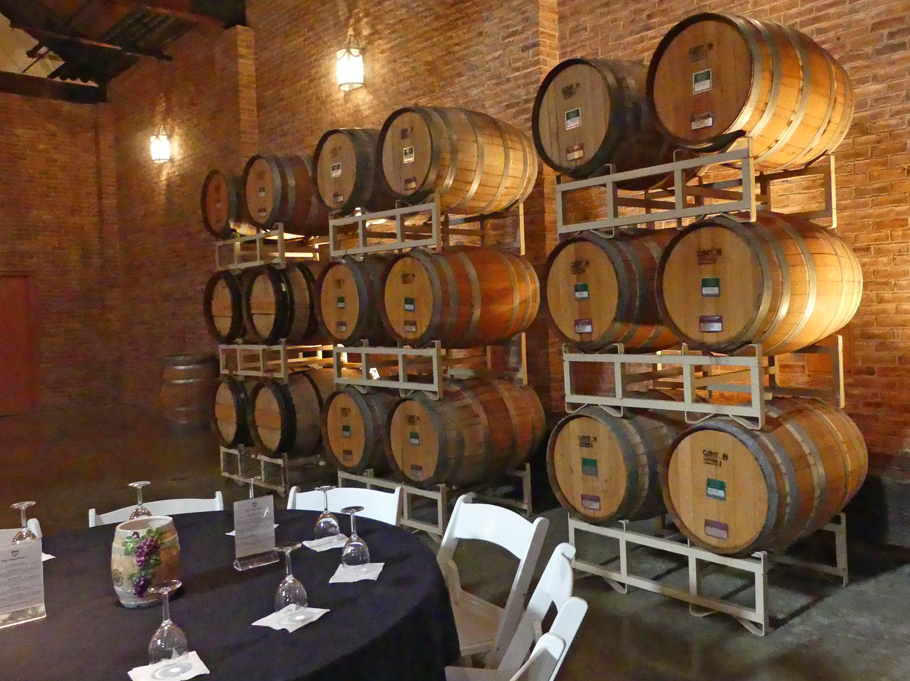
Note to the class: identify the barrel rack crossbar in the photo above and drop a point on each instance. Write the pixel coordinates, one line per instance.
(244, 464)
(747, 192)
(701, 383)
(259, 249)
(425, 225)
(272, 361)
(442, 495)
(756, 619)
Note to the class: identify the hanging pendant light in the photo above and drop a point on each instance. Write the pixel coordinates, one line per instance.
(350, 65)
(161, 146)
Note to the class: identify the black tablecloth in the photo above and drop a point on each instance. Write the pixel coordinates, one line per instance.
(399, 627)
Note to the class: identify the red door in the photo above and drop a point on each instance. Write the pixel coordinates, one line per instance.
(18, 380)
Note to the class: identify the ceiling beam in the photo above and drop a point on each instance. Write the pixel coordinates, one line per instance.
(224, 13)
(81, 40)
(33, 86)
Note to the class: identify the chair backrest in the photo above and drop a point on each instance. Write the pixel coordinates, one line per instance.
(544, 661)
(566, 624)
(377, 505)
(505, 528)
(553, 589)
(163, 507)
(7, 536)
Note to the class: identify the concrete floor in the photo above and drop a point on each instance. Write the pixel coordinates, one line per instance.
(68, 462)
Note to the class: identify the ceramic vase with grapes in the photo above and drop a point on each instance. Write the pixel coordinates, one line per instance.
(146, 552)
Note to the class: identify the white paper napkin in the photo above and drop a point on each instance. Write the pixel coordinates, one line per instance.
(356, 573)
(233, 533)
(334, 541)
(290, 618)
(46, 557)
(182, 668)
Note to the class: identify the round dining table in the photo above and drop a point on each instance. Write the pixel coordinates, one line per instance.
(398, 627)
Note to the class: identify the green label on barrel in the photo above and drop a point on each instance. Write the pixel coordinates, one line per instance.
(710, 287)
(409, 305)
(701, 81)
(717, 489)
(340, 301)
(414, 438)
(581, 292)
(345, 431)
(589, 467)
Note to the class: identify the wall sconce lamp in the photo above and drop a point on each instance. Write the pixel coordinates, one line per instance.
(161, 146)
(350, 65)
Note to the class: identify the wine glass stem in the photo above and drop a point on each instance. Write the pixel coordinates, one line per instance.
(287, 563)
(24, 519)
(325, 498)
(139, 496)
(166, 608)
(353, 525)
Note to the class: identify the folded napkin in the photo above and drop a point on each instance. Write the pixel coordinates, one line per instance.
(233, 533)
(333, 541)
(290, 618)
(356, 573)
(46, 557)
(179, 669)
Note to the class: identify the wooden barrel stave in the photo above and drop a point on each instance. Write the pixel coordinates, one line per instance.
(782, 282)
(350, 294)
(795, 103)
(230, 422)
(187, 389)
(348, 171)
(221, 204)
(474, 163)
(735, 491)
(280, 189)
(354, 429)
(599, 291)
(464, 297)
(223, 306)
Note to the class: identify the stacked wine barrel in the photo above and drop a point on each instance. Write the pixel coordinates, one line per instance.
(463, 297)
(718, 285)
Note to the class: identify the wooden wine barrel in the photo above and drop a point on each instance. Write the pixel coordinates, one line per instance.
(350, 294)
(348, 173)
(464, 297)
(781, 281)
(280, 189)
(603, 468)
(221, 207)
(282, 303)
(222, 306)
(187, 389)
(592, 112)
(466, 437)
(714, 75)
(230, 421)
(473, 162)
(284, 417)
(600, 291)
(354, 426)
(735, 491)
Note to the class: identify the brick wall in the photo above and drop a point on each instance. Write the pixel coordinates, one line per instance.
(205, 99)
(871, 38)
(53, 228)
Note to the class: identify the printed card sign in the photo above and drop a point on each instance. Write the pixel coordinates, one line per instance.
(336, 170)
(410, 326)
(341, 326)
(575, 152)
(582, 292)
(701, 81)
(262, 191)
(407, 155)
(716, 529)
(584, 326)
(573, 119)
(21, 583)
(254, 525)
(717, 489)
(702, 121)
(345, 431)
(340, 302)
(409, 305)
(416, 471)
(711, 323)
(710, 287)
(347, 455)
(414, 438)
(590, 502)
(589, 467)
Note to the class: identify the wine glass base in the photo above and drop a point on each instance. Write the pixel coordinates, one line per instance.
(258, 560)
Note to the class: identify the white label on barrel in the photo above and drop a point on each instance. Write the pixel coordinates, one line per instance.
(263, 212)
(584, 326)
(347, 455)
(711, 323)
(340, 302)
(590, 502)
(338, 197)
(581, 292)
(409, 305)
(414, 438)
(416, 471)
(573, 118)
(710, 287)
(575, 152)
(701, 81)
(261, 191)
(336, 170)
(410, 326)
(341, 326)
(410, 184)
(703, 120)
(407, 155)
(718, 530)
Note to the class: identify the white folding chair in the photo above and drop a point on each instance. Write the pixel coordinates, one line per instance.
(482, 626)
(163, 507)
(377, 505)
(7, 536)
(541, 666)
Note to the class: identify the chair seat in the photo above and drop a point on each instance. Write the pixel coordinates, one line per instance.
(471, 674)
(477, 622)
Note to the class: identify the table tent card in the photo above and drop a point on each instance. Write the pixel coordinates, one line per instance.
(21, 583)
(356, 573)
(179, 669)
(254, 527)
(290, 618)
(233, 533)
(335, 541)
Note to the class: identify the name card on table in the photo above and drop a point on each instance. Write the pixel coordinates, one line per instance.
(254, 528)
(21, 583)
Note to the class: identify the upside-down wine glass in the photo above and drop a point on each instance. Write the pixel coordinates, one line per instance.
(140, 511)
(169, 641)
(24, 534)
(355, 551)
(326, 523)
(290, 591)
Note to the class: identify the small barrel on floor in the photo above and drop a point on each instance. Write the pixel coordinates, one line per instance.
(281, 189)
(348, 172)
(221, 203)
(230, 419)
(735, 491)
(350, 296)
(354, 427)
(187, 390)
